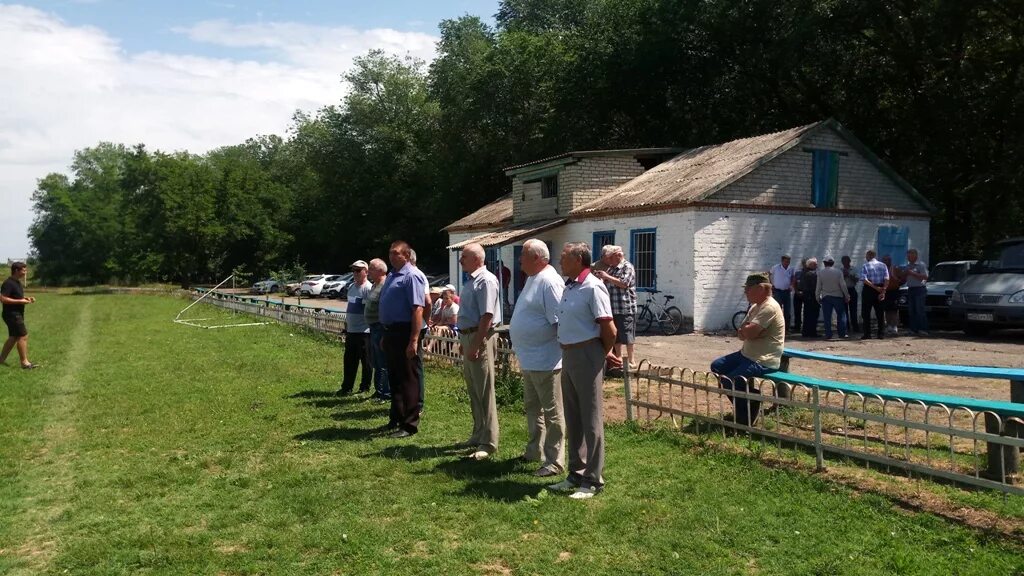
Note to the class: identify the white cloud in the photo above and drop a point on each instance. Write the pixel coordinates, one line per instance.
(66, 87)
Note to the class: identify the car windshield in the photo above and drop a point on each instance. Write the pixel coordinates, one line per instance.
(947, 273)
(333, 278)
(1002, 258)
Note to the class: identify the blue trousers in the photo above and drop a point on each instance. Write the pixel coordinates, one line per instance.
(379, 362)
(828, 304)
(916, 310)
(739, 371)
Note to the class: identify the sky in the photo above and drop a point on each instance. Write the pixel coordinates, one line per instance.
(185, 75)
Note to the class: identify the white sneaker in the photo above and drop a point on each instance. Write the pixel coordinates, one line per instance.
(583, 493)
(479, 455)
(563, 486)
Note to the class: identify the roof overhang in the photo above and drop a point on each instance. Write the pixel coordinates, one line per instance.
(510, 234)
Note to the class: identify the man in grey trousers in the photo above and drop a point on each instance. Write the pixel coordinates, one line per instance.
(586, 334)
(534, 332)
(479, 311)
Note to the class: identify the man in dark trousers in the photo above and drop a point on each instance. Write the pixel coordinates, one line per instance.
(357, 332)
(401, 314)
(12, 295)
(875, 276)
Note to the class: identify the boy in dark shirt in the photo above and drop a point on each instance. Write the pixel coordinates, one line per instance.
(12, 295)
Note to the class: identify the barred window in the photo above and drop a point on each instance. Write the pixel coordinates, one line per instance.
(642, 252)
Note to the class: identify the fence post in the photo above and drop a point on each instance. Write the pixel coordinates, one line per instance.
(1003, 461)
(819, 456)
(628, 389)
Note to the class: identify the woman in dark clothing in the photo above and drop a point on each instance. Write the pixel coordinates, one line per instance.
(807, 288)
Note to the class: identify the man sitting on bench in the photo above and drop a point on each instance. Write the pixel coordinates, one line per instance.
(763, 333)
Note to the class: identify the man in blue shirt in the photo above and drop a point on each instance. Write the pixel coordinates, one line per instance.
(875, 276)
(401, 314)
(357, 332)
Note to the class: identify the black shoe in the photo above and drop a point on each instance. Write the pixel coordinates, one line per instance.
(29, 366)
(400, 434)
(364, 390)
(881, 336)
(343, 392)
(866, 337)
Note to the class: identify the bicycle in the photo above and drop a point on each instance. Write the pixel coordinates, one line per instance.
(737, 318)
(669, 318)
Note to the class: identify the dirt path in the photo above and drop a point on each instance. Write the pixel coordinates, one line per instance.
(54, 459)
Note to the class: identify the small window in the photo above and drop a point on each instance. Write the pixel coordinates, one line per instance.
(602, 238)
(825, 178)
(642, 251)
(549, 187)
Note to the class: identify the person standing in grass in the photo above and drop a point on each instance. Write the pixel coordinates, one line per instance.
(534, 332)
(401, 314)
(12, 294)
(377, 271)
(357, 332)
(479, 312)
(586, 333)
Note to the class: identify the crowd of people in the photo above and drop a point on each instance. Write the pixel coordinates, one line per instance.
(808, 294)
(564, 334)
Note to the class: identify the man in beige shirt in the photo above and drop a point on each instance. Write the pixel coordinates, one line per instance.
(763, 333)
(833, 294)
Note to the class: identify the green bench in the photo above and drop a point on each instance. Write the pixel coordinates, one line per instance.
(997, 455)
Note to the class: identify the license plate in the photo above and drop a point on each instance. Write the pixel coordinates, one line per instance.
(980, 317)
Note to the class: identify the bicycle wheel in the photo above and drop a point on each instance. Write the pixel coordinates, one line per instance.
(737, 320)
(672, 322)
(643, 320)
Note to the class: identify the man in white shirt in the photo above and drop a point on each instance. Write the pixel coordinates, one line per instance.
(783, 278)
(479, 312)
(357, 332)
(586, 333)
(534, 332)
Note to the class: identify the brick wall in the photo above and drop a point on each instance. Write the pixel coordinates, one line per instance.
(786, 180)
(578, 183)
(729, 245)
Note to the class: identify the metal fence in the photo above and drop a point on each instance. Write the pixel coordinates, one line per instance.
(936, 441)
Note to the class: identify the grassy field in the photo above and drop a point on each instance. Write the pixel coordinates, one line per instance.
(146, 447)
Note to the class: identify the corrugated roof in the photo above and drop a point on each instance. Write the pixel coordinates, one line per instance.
(494, 214)
(696, 174)
(511, 234)
(592, 153)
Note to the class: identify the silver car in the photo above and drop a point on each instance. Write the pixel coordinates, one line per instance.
(992, 294)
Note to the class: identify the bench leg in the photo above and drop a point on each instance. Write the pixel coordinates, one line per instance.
(1001, 459)
(782, 389)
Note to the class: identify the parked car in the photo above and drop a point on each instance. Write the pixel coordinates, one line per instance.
(313, 286)
(268, 286)
(292, 288)
(942, 280)
(992, 294)
(337, 288)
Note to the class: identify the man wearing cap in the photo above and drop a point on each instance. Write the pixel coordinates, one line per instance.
(833, 294)
(534, 332)
(401, 314)
(357, 331)
(763, 333)
(586, 334)
(479, 312)
(783, 280)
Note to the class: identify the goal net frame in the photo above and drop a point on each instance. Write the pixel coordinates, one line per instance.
(193, 321)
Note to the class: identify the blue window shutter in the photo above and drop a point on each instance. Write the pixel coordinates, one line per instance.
(824, 178)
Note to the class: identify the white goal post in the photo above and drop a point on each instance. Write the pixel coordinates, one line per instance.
(194, 321)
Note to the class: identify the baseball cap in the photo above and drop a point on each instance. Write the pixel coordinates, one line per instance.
(449, 287)
(359, 264)
(756, 279)
(829, 259)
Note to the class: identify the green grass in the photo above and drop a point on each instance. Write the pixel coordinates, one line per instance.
(147, 447)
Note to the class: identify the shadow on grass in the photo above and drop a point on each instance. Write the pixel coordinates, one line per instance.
(361, 414)
(313, 394)
(502, 490)
(334, 434)
(411, 452)
(333, 402)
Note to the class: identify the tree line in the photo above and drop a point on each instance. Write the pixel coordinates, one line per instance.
(934, 87)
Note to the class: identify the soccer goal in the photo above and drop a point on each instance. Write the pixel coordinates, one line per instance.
(198, 322)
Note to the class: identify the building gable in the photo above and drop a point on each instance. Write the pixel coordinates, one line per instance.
(786, 180)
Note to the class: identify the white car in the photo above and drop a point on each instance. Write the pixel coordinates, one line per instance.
(268, 286)
(313, 286)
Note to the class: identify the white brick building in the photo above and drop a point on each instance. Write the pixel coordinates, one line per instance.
(696, 222)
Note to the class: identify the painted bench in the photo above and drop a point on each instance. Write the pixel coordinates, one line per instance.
(1014, 409)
